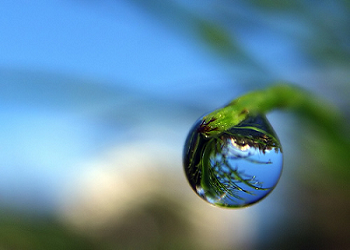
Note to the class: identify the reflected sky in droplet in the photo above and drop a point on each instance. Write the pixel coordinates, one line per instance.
(243, 167)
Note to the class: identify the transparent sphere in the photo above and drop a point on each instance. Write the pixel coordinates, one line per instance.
(237, 167)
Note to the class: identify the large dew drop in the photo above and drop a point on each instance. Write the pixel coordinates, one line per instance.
(237, 167)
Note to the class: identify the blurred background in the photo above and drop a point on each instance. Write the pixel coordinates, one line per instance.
(97, 98)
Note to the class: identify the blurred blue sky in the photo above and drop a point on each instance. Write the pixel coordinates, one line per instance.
(49, 123)
(114, 41)
(82, 79)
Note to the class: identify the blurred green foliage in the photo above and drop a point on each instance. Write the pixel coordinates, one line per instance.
(25, 231)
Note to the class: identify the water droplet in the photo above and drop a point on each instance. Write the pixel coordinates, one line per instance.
(237, 167)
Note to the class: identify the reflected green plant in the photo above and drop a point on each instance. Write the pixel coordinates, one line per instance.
(234, 168)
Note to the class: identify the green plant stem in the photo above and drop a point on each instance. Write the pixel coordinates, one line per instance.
(280, 96)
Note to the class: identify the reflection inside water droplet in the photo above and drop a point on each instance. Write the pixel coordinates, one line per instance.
(237, 167)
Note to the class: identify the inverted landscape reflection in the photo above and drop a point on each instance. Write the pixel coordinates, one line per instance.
(238, 167)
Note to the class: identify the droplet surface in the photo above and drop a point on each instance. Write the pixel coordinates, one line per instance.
(237, 167)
